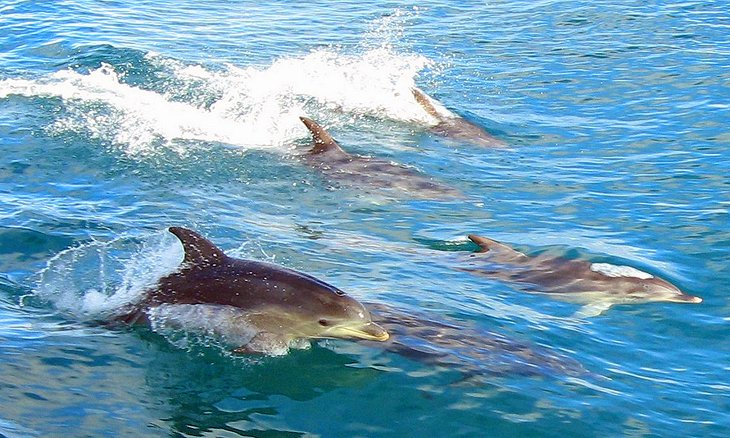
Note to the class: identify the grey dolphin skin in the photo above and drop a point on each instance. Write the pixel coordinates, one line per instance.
(474, 352)
(328, 157)
(266, 306)
(450, 125)
(597, 286)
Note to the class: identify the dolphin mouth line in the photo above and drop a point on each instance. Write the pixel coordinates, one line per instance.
(376, 333)
(689, 299)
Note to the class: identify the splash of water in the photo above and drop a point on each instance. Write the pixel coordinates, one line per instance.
(93, 281)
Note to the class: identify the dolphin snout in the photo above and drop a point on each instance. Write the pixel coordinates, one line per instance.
(691, 299)
(684, 298)
(369, 331)
(376, 332)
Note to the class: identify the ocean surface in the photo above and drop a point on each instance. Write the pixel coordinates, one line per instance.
(121, 118)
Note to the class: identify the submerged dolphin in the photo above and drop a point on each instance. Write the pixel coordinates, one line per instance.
(327, 156)
(474, 352)
(262, 307)
(597, 286)
(451, 125)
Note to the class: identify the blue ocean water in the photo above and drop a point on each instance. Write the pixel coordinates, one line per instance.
(121, 118)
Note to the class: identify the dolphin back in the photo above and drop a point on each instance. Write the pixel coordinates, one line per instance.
(426, 104)
(496, 248)
(323, 141)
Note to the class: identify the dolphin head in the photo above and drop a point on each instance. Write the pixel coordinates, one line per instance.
(658, 290)
(640, 287)
(328, 312)
(346, 318)
(298, 305)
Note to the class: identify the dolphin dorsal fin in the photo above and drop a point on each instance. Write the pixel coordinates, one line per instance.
(323, 141)
(425, 103)
(199, 251)
(489, 245)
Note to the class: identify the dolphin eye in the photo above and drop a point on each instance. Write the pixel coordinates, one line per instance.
(324, 322)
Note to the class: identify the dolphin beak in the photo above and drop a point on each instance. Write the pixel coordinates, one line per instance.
(684, 298)
(376, 332)
(368, 331)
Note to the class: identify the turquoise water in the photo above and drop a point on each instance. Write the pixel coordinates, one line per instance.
(120, 118)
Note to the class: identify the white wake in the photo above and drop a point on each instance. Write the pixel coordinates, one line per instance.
(241, 106)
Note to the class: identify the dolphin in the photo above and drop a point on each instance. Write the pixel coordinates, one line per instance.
(265, 308)
(328, 157)
(441, 341)
(451, 125)
(597, 286)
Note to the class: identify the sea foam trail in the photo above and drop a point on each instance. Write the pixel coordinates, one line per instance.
(245, 107)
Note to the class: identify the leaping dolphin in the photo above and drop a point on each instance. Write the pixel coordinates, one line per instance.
(451, 125)
(597, 286)
(265, 308)
(327, 156)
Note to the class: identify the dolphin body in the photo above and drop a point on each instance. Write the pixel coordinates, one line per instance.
(597, 286)
(450, 125)
(328, 157)
(474, 352)
(261, 307)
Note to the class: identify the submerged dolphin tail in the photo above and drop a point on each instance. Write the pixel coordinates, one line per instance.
(323, 141)
(425, 103)
(199, 251)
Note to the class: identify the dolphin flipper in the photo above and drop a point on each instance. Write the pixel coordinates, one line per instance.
(199, 251)
(591, 310)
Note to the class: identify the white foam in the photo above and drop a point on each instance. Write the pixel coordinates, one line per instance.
(97, 279)
(247, 107)
(619, 271)
(132, 117)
